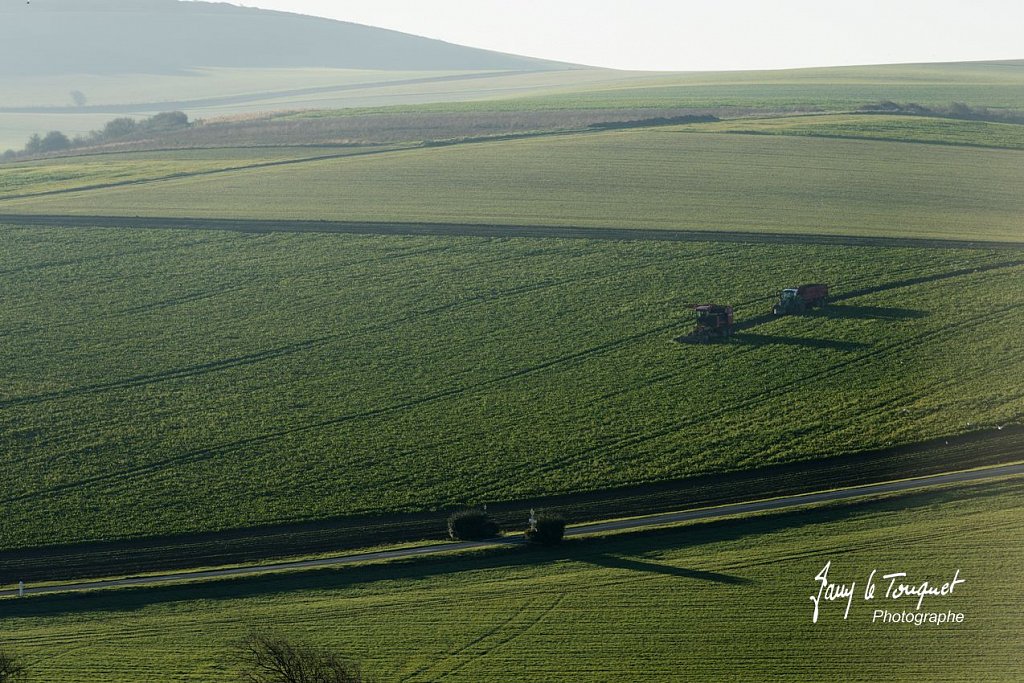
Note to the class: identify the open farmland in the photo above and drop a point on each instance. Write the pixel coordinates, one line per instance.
(651, 178)
(40, 103)
(286, 298)
(155, 380)
(663, 605)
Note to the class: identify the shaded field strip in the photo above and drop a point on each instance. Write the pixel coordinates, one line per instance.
(494, 231)
(259, 96)
(923, 279)
(42, 265)
(178, 373)
(275, 542)
(781, 503)
(195, 174)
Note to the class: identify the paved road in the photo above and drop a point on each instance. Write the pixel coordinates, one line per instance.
(596, 527)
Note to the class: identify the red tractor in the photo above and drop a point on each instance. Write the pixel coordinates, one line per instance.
(796, 300)
(714, 321)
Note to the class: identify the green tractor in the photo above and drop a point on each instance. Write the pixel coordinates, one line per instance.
(797, 300)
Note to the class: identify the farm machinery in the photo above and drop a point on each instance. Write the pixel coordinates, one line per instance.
(713, 321)
(796, 300)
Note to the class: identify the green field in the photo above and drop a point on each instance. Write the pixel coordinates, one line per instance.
(938, 131)
(654, 178)
(714, 601)
(203, 363)
(158, 380)
(129, 168)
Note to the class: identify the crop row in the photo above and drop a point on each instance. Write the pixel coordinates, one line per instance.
(155, 381)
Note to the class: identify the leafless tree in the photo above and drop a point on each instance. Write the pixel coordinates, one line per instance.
(271, 658)
(10, 669)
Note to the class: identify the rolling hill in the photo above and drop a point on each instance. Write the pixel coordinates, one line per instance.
(168, 36)
(375, 278)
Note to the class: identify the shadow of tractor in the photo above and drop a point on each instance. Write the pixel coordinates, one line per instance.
(803, 342)
(871, 312)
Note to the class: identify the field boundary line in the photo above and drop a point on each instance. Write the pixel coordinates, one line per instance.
(489, 230)
(195, 174)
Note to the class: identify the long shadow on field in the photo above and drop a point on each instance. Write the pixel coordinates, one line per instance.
(407, 576)
(834, 310)
(922, 279)
(871, 313)
(615, 562)
(804, 342)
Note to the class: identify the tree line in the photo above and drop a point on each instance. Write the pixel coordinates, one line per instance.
(115, 130)
(955, 110)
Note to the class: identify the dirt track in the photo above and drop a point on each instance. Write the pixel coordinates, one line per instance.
(488, 230)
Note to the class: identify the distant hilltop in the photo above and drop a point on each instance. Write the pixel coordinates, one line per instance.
(51, 37)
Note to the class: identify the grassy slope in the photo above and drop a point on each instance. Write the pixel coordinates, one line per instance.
(996, 84)
(723, 601)
(940, 131)
(195, 85)
(659, 178)
(172, 375)
(991, 83)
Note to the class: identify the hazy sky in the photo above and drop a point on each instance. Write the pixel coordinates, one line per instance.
(702, 34)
